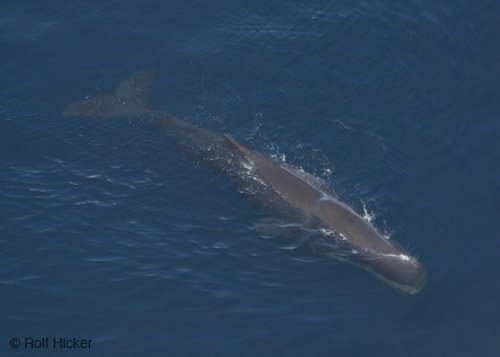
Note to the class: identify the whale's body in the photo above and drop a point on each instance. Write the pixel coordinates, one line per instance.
(333, 228)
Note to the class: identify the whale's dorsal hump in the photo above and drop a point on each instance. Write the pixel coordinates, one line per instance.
(244, 150)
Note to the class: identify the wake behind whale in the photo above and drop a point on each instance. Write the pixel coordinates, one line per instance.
(319, 219)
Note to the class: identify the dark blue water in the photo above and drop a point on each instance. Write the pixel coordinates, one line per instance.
(108, 233)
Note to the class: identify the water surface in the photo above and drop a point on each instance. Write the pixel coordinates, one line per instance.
(107, 232)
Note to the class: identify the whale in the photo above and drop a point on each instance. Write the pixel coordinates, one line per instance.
(303, 206)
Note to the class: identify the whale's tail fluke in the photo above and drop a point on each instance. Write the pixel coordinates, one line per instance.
(129, 99)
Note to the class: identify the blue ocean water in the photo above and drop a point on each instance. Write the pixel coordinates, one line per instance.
(108, 233)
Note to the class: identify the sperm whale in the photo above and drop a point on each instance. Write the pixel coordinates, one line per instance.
(334, 229)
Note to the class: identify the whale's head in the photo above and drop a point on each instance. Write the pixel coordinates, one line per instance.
(353, 239)
(399, 270)
(393, 266)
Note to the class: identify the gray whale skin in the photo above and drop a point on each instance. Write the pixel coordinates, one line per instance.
(330, 227)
